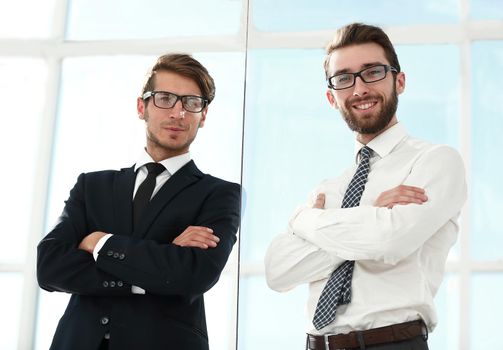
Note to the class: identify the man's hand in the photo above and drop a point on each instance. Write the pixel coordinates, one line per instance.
(90, 241)
(319, 203)
(401, 195)
(197, 237)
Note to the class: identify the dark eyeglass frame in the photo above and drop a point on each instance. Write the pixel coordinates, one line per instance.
(387, 68)
(183, 98)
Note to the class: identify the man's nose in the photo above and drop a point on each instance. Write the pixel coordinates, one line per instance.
(177, 111)
(360, 88)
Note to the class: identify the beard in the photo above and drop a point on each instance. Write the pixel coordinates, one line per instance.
(369, 124)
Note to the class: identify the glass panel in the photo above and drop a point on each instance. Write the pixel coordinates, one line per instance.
(430, 104)
(11, 285)
(270, 320)
(446, 335)
(22, 88)
(98, 128)
(486, 193)
(135, 19)
(24, 19)
(220, 303)
(298, 15)
(285, 107)
(485, 309)
(486, 9)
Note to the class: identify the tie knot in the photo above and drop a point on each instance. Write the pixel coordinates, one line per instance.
(365, 152)
(155, 168)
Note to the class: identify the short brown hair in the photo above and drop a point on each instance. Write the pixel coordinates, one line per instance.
(359, 33)
(187, 66)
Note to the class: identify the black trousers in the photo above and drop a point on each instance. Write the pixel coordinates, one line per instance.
(417, 343)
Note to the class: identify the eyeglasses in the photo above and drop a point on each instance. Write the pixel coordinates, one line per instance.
(368, 75)
(167, 100)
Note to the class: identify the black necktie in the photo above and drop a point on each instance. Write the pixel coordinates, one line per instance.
(145, 190)
(337, 291)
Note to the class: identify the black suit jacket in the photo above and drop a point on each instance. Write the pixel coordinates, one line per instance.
(171, 313)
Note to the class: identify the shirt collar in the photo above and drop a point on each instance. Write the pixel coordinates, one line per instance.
(384, 143)
(172, 164)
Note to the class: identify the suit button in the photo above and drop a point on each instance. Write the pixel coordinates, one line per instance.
(120, 283)
(110, 253)
(104, 320)
(112, 284)
(116, 255)
(105, 284)
(122, 256)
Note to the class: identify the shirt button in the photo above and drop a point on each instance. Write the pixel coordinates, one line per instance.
(120, 283)
(104, 320)
(105, 284)
(112, 284)
(110, 253)
(122, 256)
(116, 255)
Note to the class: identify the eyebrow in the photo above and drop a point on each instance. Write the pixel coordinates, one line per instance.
(362, 67)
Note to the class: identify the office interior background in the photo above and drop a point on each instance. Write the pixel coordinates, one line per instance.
(70, 72)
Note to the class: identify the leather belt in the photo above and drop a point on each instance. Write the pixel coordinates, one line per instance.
(360, 339)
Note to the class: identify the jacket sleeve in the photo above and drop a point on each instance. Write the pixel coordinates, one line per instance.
(61, 266)
(168, 269)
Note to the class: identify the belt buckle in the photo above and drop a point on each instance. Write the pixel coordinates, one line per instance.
(327, 345)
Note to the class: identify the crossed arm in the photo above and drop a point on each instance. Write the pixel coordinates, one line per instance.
(193, 236)
(291, 260)
(188, 266)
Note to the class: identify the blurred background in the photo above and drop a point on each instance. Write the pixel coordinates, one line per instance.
(70, 72)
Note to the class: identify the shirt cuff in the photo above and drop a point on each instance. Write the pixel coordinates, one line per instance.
(100, 245)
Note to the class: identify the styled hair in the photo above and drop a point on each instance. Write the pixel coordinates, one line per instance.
(359, 33)
(186, 66)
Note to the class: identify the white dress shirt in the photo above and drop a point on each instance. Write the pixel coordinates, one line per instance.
(172, 165)
(399, 253)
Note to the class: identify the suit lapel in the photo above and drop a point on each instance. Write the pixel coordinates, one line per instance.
(123, 200)
(183, 178)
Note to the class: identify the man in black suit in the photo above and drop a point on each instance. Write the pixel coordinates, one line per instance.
(138, 248)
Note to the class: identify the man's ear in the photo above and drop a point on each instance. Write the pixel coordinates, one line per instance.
(400, 82)
(140, 107)
(203, 117)
(331, 99)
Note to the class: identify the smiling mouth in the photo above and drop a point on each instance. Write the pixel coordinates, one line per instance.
(364, 106)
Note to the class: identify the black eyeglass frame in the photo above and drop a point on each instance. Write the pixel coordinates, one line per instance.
(152, 94)
(387, 68)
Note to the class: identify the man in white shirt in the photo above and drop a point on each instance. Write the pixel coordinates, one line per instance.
(138, 248)
(372, 243)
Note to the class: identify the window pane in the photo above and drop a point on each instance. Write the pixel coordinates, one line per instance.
(136, 19)
(23, 19)
(51, 307)
(11, 285)
(485, 309)
(298, 15)
(270, 320)
(446, 335)
(486, 9)
(486, 192)
(22, 88)
(289, 131)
